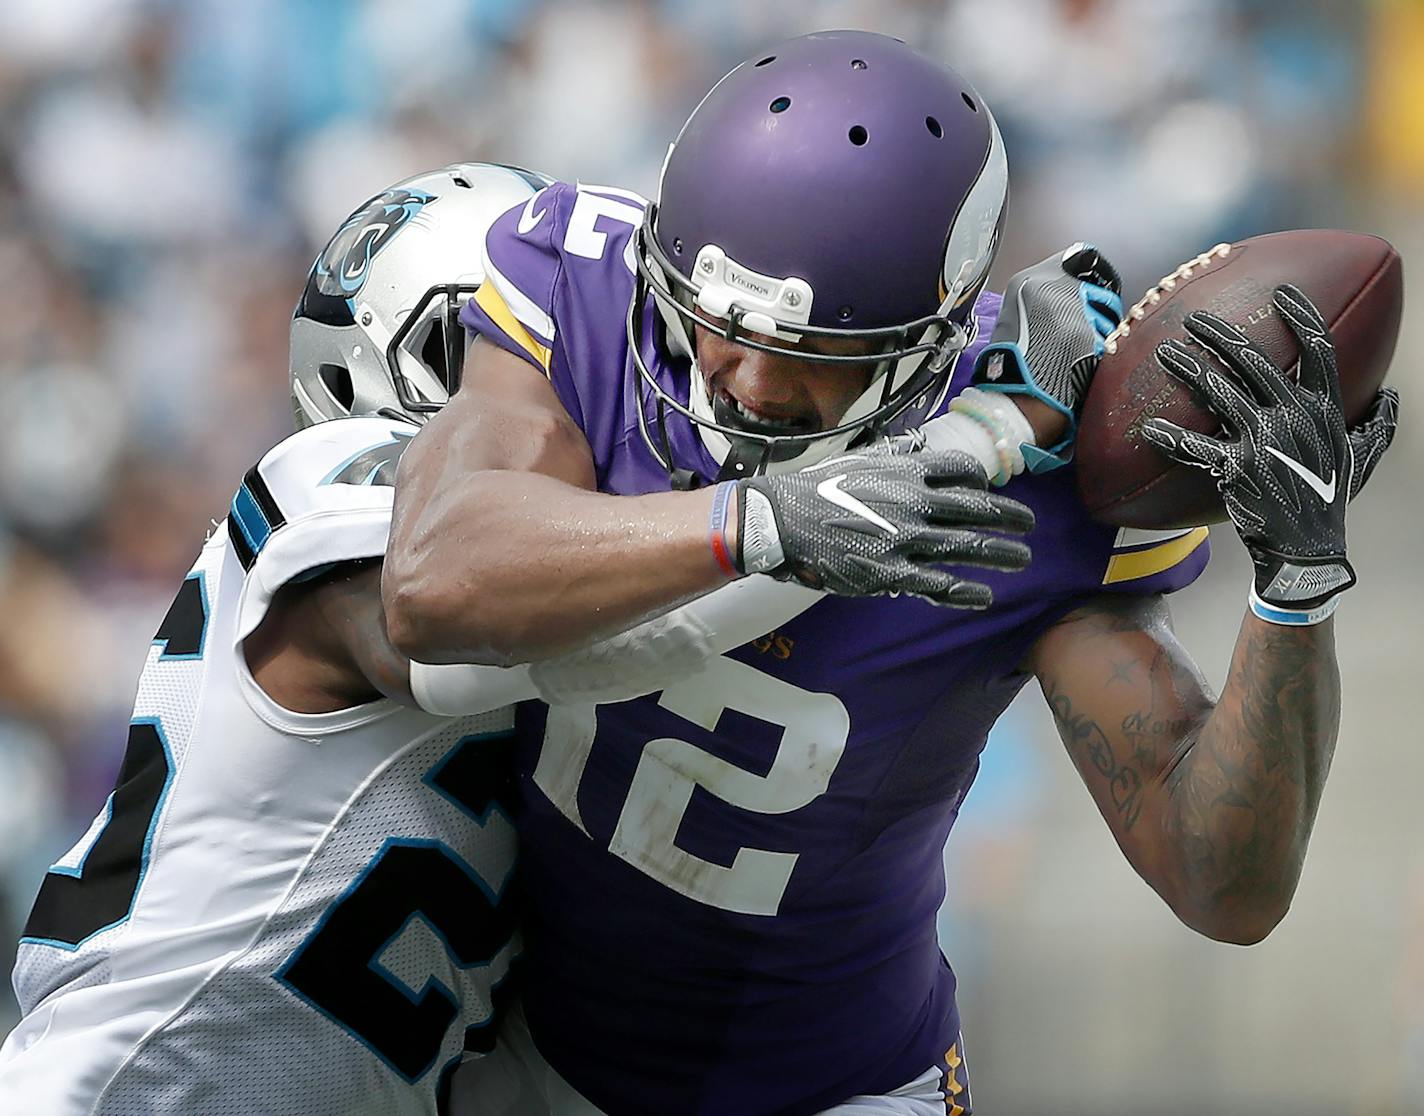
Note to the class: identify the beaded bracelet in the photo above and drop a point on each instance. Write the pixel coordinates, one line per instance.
(998, 430)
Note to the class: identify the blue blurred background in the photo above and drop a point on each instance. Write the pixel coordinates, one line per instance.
(168, 169)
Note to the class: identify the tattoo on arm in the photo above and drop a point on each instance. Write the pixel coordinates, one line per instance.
(1212, 801)
(1245, 803)
(1121, 671)
(1087, 742)
(1150, 700)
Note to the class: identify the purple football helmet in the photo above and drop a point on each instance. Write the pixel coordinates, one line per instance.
(839, 185)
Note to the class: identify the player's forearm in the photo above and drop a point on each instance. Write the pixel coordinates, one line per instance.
(509, 567)
(1211, 800)
(1239, 805)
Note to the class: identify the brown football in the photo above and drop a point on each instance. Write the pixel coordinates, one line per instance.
(1355, 280)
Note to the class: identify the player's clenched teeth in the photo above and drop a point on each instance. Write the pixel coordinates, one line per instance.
(750, 418)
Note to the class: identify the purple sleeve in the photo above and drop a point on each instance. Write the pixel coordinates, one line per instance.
(514, 307)
(558, 279)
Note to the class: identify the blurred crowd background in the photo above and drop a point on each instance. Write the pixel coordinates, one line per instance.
(168, 169)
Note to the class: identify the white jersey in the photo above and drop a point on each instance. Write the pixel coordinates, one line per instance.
(274, 912)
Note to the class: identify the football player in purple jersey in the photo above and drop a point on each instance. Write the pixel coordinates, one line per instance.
(788, 366)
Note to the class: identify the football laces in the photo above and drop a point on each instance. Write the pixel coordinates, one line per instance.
(1165, 286)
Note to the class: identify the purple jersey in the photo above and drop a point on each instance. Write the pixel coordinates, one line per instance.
(732, 885)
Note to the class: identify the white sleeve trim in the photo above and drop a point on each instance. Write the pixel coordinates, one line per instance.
(525, 309)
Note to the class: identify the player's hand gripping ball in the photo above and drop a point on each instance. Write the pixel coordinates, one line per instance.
(1284, 463)
(1354, 281)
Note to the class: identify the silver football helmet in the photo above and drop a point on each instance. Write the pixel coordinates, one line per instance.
(376, 329)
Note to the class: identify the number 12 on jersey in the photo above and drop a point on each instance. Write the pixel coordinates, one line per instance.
(815, 727)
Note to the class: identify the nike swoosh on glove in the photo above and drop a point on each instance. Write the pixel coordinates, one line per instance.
(883, 520)
(1285, 464)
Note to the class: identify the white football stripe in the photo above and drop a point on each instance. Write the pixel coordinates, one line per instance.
(535, 320)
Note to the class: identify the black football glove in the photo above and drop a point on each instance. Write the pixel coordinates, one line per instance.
(1049, 337)
(1285, 463)
(882, 520)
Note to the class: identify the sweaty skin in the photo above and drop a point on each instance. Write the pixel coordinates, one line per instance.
(1212, 800)
(500, 553)
(324, 644)
(560, 566)
(816, 395)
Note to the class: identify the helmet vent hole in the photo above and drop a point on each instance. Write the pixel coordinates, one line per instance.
(858, 135)
(781, 104)
(845, 313)
(858, 64)
(770, 58)
(461, 180)
(968, 100)
(933, 125)
(337, 381)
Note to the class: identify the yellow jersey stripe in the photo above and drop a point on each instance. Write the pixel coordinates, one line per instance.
(1143, 563)
(492, 303)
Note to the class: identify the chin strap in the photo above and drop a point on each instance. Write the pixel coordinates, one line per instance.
(744, 459)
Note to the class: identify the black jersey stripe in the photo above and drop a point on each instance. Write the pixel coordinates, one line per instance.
(254, 483)
(253, 517)
(240, 546)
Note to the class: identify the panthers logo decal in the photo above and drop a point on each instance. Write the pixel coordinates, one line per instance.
(342, 267)
(375, 466)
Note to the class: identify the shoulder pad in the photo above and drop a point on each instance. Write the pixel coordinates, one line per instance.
(559, 277)
(338, 468)
(317, 499)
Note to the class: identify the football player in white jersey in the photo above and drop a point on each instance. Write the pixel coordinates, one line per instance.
(295, 900)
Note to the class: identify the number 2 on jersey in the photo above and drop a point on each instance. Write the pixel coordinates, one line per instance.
(584, 236)
(815, 727)
(94, 887)
(338, 968)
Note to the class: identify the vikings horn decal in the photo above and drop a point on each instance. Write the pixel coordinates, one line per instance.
(342, 267)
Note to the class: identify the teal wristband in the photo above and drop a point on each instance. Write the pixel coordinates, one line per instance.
(1291, 617)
